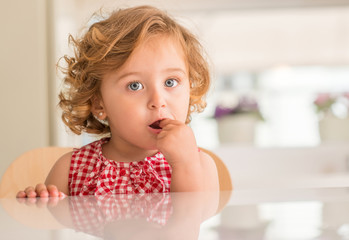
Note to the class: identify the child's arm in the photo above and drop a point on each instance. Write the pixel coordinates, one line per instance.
(195, 177)
(192, 170)
(56, 183)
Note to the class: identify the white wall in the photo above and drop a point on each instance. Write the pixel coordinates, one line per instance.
(23, 91)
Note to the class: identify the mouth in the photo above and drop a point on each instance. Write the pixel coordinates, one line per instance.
(155, 125)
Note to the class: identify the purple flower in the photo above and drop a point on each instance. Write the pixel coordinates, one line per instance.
(245, 105)
(221, 111)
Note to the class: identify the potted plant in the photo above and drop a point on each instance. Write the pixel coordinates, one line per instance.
(237, 122)
(333, 113)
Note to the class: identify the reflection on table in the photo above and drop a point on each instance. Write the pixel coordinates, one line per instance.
(124, 216)
(321, 213)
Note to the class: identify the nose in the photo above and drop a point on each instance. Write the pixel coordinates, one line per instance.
(156, 100)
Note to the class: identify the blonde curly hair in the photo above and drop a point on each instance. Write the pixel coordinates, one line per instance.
(106, 46)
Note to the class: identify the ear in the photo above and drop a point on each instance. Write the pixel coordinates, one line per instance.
(98, 109)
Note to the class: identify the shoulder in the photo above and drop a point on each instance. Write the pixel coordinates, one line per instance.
(210, 170)
(63, 163)
(64, 160)
(92, 149)
(85, 158)
(59, 173)
(207, 158)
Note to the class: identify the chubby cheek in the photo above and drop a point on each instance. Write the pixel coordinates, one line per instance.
(182, 107)
(123, 115)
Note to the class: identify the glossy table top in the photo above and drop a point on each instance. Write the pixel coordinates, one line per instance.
(321, 213)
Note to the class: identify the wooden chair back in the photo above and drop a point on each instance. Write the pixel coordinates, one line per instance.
(33, 167)
(29, 169)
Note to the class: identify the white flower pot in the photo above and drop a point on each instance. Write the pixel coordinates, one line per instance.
(238, 128)
(333, 129)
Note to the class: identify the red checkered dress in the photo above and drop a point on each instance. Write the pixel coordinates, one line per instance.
(92, 174)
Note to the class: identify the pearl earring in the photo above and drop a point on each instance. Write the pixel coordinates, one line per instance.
(103, 121)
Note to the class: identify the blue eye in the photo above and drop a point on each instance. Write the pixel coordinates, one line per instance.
(171, 82)
(135, 86)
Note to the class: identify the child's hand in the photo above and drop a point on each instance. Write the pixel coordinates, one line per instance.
(177, 142)
(41, 190)
(41, 202)
(192, 170)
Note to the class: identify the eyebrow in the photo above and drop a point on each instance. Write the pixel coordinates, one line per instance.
(165, 71)
(128, 74)
(175, 70)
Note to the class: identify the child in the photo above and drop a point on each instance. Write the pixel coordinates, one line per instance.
(136, 76)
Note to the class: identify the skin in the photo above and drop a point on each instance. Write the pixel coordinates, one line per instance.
(152, 85)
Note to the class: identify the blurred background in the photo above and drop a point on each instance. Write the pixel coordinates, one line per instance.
(279, 69)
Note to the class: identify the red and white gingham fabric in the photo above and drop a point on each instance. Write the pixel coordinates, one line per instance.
(91, 214)
(93, 174)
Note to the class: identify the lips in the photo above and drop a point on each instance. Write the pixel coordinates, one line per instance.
(155, 125)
